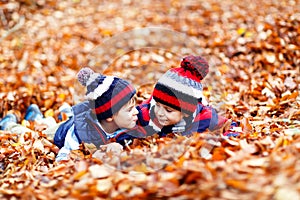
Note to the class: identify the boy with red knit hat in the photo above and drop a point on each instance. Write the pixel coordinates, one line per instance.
(177, 104)
(110, 106)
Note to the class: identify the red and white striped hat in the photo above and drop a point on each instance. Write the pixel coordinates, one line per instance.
(181, 88)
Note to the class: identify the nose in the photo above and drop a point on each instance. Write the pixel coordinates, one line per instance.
(135, 111)
(160, 111)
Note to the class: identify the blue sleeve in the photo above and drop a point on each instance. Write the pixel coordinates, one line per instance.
(71, 143)
(61, 132)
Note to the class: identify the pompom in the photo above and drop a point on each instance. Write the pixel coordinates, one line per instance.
(84, 74)
(195, 64)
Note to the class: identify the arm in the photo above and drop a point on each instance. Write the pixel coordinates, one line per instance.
(206, 119)
(71, 143)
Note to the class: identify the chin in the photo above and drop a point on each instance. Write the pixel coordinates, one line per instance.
(131, 126)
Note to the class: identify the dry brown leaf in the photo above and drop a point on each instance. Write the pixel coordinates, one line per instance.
(253, 52)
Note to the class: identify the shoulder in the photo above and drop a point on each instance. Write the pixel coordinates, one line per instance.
(144, 112)
(145, 105)
(82, 108)
(81, 105)
(203, 112)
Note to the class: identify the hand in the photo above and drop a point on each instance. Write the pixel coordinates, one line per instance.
(125, 139)
(231, 134)
(226, 126)
(113, 147)
(233, 131)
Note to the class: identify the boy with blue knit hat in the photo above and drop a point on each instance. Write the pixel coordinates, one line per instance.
(177, 104)
(109, 106)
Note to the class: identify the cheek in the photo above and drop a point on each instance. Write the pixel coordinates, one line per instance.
(175, 117)
(156, 113)
(127, 116)
(123, 122)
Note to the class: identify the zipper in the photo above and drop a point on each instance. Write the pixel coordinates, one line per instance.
(100, 133)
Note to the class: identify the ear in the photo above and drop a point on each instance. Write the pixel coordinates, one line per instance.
(110, 119)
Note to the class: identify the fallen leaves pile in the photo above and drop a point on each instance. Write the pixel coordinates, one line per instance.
(254, 53)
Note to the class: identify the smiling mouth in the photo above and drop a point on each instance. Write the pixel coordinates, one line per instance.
(162, 121)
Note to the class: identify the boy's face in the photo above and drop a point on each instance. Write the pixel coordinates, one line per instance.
(126, 117)
(166, 115)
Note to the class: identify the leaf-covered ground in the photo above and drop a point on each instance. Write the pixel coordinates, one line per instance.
(254, 51)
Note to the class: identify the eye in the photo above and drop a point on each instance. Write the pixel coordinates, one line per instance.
(169, 110)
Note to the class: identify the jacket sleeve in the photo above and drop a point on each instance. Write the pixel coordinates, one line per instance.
(70, 143)
(61, 132)
(206, 119)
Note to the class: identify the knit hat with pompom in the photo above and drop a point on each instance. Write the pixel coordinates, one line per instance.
(181, 88)
(107, 93)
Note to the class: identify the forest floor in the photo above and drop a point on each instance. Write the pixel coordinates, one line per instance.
(253, 49)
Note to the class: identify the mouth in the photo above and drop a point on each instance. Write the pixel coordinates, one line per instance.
(162, 121)
(135, 119)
